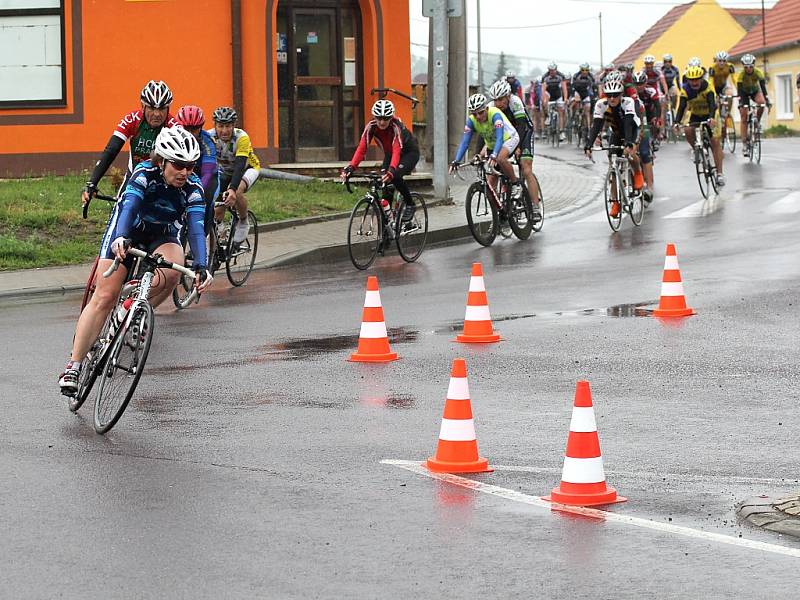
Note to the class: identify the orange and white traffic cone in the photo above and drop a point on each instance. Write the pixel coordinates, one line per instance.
(673, 302)
(457, 451)
(583, 481)
(373, 341)
(477, 320)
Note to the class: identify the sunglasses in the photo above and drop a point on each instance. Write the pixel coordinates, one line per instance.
(615, 95)
(180, 166)
(383, 118)
(479, 112)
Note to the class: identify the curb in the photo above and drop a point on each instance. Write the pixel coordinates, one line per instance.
(781, 515)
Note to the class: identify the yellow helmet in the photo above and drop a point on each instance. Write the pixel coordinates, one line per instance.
(694, 73)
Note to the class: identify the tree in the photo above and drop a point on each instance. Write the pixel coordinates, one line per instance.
(500, 73)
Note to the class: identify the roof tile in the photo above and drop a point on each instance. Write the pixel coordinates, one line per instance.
(651, 35)
(782, 27)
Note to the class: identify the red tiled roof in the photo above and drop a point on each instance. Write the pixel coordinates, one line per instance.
(782, 28)
(746, 17)
(651, 35)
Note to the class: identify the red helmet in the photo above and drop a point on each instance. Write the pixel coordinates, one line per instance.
(191, 116)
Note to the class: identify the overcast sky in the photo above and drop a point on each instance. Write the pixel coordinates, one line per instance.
(522, 27)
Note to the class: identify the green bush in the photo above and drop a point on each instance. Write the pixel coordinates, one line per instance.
(780, 131)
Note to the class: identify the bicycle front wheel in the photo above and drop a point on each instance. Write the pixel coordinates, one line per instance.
(755, 151)
(520, 215)
(537, 225)
(241, 256)
(700, 168)
(481, 215)
(184, 293)
(122, 366)
(636, 209)
(365, 233)
(411, 235)
(730, 134)
(613, 194)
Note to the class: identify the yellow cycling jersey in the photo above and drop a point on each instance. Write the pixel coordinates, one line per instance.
(239, 145)
(697, 101)
(750, 82)
(720, 74)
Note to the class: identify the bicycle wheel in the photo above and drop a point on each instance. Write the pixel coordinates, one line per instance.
(481, 215)
(537, 226)
(365, 233)
(700, 168)
(89, 372)
(412, 234)
(613, 190)
(520, 214)
(755, 150)
(241, 256)
(730, 134)
(122, 366)
(636, 208)
(91, 284)
(184, 293)
(711, 172)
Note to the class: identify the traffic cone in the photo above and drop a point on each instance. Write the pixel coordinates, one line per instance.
(373, 341)
(477, 320)
(673, 302)
(457, 451)
(583, 481)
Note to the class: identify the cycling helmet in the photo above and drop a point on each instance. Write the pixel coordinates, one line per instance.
(500, 89)
(639, 78)
(191, 116)
(511, 74)
(609, 66)
(383, 108)
(694, 73)
(156, 94)
(613, 86)
(225, 114)
(476, 102)
(629, 67)
(585, 66)
(748, 60)
(649, 59)
(614, 76)
(175, 143)
(721, 55)
(552, 66)
(667, 58)
(694, 62)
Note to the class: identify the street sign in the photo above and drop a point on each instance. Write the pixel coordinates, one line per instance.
(455, 8)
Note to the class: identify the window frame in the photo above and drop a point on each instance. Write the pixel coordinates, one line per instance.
(779, 79)
(37, 12)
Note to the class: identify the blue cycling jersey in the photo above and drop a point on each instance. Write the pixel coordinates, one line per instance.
(149, 205)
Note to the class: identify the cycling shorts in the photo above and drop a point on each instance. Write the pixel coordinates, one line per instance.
(559, 102)
(644, 149)
(584, 95)
(526, 145)
(716, 131)
(511, 143)
(147, 238)
(249, 178)
(746, 97)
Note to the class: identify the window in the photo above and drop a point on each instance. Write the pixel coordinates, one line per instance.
(783, 96)
(32, 53)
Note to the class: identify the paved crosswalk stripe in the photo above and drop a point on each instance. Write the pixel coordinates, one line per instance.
(790, 203)
(701, 208)
(486, 488)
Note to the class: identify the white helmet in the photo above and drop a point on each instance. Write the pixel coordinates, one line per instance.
(156, 94)
(613, 86)
(500, 89)
(667, 57)
(476, 102)
(614, 76)
(175, 143)
(721, 55)
(748, 60)
(511, 74)
(649, 59)
(694, 62)
(609, 66)
(383, 108)
(552, 66)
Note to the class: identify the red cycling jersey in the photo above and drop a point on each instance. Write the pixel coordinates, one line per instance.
(390, 140)
(142, 136)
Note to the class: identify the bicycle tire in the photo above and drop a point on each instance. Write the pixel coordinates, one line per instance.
(613, 182)
(756, 149)
(730, 134)
(636, 209)
(537, 227)
(239, 258)
(364, 241)
(412, 235)
(184, 292)
(88, 376)
(711, 173)
(91, 284)
(483, 231)
(520, 214)
(110, 403)
(700, 169)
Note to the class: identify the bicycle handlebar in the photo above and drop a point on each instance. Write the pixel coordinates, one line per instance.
(100, 197)
(156, 258)
(371, 175)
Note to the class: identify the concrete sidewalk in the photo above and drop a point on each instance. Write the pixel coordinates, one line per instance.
(566, 185)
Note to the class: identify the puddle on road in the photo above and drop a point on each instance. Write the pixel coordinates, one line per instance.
(303, 348)
(396, 401)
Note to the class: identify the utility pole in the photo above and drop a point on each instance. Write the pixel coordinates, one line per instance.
(458, 81)
(439, 125)
(600, 19)
(764, 36)
(478, 22)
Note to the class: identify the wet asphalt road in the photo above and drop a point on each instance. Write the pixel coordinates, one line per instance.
(248, 465)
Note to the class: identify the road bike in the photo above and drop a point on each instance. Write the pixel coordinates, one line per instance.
(752, 143)
(115, 362)
(703, 158)
(669, 123)
(552, 123)
(619, 190)
(238, 257)
(91, 282)
(377, 219)
(728, 124)
(493, 209)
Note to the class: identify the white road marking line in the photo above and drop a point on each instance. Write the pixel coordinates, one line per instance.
(416, 467)
(700, 208)
(790, 203)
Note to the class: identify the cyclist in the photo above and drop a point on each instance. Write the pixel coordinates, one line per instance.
(140, 127)
(162, 194)
(516, 85)
(514, 110)
(656, 80)
(498, 134)
(648, 109)
(671, 76)
(584, 87)
(651, 100)
(750, 85)
(192, 119)
(693, 62)
(602, 74)
(554, 87)
(619, 113)
(720, 73)
(238, 167)
(697, 94)
(534, 102)
(400, 151)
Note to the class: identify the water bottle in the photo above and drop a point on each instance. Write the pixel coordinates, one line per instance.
(122, 310)
(387, 209)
